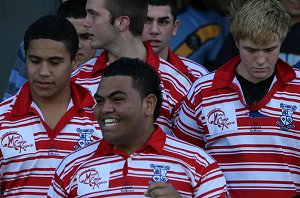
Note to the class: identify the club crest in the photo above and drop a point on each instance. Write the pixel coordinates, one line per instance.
(160, 173)
(85, 137)
(286, 119)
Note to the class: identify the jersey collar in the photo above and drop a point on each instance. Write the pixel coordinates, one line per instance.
(81, 98)
(226, 73)
(155, 143)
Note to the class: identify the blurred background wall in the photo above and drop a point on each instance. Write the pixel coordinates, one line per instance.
(15, 17)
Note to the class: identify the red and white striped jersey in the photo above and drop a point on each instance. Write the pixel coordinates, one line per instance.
(257, 147)
(175, 84)
(31, 150)
(188, 67)
(99, 170)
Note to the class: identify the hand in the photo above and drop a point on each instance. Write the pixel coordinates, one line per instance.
(161, 190)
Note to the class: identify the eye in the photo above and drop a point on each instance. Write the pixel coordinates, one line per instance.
(164, 22)
(118, 99)
(148, 21)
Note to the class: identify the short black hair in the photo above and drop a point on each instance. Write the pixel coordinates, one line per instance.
(55, 28)
(145, 78)
(171, 3)
(72, 9)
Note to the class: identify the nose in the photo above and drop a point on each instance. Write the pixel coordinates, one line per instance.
(44, 70)
(85, 22)
(154, 28)
(261, 58)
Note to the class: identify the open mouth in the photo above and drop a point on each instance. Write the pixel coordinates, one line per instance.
(109, 122)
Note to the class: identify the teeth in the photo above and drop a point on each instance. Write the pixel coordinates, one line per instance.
(110, 122)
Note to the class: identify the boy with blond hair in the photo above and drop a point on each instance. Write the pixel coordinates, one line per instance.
(246, 114)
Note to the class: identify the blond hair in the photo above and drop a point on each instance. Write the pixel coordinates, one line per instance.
(261, 21)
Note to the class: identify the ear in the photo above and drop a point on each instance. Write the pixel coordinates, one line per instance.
(122, 23)
(74, 63)
(236, 41)
(149, 104)
(175, 27)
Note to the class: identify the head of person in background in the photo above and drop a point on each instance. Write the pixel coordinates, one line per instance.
(128, 101)
(258, 35)
(293, 8)
(74, 11)
(51, 45)
(161, 25)
(113, 23)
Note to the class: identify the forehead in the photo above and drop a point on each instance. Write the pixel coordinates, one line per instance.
(78, 24)
(95, 5)
(251, 44)
(159, 11)
(114, 83)
(47, 47)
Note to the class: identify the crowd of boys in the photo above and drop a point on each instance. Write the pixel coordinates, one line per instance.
(141, 120)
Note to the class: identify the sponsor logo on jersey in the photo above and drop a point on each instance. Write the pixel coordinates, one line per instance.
(53, 151)
(160, 173)
(127, 187)
(286, 119)
(91, 177)
(218, 118)
(85, 137)
(14, 140)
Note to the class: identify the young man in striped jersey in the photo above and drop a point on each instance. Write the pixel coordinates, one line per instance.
(247, 113)
(50, 117)
(135, 157)
(161, 25)
(116, 26)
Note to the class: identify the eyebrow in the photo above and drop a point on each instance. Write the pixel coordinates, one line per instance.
(160, 18)
(97, 96)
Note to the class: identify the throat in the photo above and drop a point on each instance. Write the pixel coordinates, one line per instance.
(254, 92)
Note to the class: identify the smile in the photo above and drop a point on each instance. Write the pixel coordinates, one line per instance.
(110, 122)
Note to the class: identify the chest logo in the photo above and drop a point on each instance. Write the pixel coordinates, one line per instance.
(91, 177)
(160, 173)
(218, 118)
(85, 137)
(14, 140)
(286, 118)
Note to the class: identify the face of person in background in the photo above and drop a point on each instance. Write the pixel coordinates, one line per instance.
(159, 28)
(99, 25)
(85, 51)
(293, 8)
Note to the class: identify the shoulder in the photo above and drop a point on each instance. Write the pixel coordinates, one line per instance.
(172, 73)
(77, 157)
(85, 67)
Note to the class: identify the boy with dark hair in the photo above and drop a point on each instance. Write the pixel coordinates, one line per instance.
(135, 158)
(49, 117)
(116, 26)
(161, 25)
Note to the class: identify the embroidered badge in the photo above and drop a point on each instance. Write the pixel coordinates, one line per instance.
(286, 119)
(85, 137)
(93, 179)
(14, 140)
(160, 173)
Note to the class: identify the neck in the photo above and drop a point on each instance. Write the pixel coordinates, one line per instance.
(295, 20)
(164, 54)
(138, 142)
(132, 48)
(60, 101)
